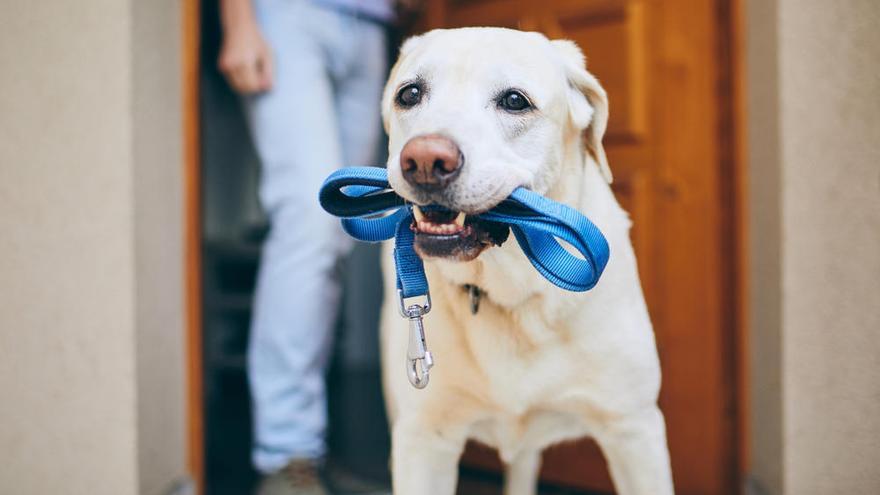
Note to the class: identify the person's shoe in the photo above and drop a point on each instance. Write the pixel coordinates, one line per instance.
(299, 477)
(341, 481)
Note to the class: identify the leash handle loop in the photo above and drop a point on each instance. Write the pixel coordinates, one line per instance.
(362, 197)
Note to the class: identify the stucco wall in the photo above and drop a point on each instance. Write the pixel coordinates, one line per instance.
(158, 213)
(830, 101)
(90, 259)
(815, 166)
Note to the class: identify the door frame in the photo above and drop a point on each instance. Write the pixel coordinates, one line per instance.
(192, 197)
(730, 16)
(734, 152)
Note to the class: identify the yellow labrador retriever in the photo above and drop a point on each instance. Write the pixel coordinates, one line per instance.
(472, 114)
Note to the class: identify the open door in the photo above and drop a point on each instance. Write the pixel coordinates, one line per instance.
(667, 67)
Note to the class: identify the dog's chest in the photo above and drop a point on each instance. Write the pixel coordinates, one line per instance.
(536, 385)
(531, 432)
(528, 363)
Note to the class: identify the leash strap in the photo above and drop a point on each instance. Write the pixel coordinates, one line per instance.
(362, 197)
(539, 223)
(372, 212)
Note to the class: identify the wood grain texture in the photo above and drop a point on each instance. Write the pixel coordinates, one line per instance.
(732, 95)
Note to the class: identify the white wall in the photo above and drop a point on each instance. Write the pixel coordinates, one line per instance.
(91, 371)
(155, 99)
(814, 84)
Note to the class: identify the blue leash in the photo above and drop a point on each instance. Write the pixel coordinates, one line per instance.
(361, 195)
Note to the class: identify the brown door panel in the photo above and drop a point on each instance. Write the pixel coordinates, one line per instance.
(659, 62)
(576, 464)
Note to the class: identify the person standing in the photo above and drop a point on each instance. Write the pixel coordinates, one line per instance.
(310, 73)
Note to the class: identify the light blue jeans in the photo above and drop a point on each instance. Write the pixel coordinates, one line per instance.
(321, 114)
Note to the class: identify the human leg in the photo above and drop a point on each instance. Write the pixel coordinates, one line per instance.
(295, 132)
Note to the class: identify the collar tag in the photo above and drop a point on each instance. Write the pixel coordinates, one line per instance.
(474, 294)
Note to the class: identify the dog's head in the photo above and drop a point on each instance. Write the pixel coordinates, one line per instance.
(474, 113)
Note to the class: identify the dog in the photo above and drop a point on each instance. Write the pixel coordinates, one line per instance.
(472, 114)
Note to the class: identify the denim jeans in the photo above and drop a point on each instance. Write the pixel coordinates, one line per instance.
(322, 113)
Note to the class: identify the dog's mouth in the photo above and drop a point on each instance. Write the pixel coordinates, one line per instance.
(444, 233)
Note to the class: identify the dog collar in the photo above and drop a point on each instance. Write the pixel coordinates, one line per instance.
(360, 196)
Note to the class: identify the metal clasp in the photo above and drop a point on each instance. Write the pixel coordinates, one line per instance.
(418, 358)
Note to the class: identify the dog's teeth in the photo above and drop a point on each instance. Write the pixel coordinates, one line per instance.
(459, 220)
(417, 212)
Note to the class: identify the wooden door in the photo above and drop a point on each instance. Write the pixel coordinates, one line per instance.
(665, 67)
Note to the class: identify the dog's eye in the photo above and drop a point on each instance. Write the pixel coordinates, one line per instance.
(409, 95)
(514, 101)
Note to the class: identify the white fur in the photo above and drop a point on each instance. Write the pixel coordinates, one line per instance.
(537, 365)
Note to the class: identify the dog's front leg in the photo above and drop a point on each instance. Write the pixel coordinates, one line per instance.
(425, 457)
(637, 455)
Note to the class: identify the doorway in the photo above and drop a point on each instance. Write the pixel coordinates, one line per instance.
(671, 71)
(230, 228)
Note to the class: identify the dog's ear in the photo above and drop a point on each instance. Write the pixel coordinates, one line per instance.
(587, 102)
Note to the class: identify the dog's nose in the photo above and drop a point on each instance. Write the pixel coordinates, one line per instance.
(431, 161)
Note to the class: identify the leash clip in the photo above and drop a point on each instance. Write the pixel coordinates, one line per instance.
(418, 358)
